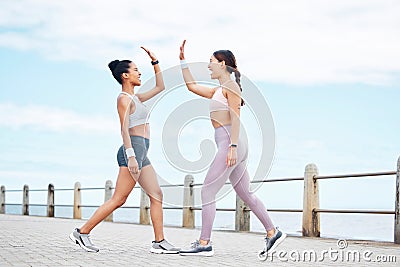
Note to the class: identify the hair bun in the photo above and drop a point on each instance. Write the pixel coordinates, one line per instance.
(113, 64)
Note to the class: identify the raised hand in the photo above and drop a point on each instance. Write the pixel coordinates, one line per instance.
(182, 51)
(151, 54)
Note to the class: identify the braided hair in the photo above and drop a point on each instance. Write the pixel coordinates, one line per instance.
(230, 62)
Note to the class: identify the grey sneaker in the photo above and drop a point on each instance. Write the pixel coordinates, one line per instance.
(198, 250)
(272, 242)
(83, 241)
(163, 247)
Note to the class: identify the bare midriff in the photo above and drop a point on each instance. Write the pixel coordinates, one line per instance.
(220, 118)
(140, 130)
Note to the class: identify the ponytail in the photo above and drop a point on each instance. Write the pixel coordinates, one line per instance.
(237, 78)
(230, 62)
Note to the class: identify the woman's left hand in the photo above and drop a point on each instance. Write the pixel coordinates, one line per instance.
(182, 51)
(151, 54)
(231, 159)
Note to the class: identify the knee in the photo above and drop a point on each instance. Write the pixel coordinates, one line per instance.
(203, 194)
(246, 196)
(119, 200)
(156, 195)
(247, 199)
(207, 195)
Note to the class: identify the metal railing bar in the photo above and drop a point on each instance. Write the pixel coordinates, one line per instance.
(91, 188)
(279, 180)
(64, 189)
(354, 175)
(130, 207)
(88, 206)
(354, 211)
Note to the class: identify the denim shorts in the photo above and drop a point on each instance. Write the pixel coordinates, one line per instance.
(141, 146)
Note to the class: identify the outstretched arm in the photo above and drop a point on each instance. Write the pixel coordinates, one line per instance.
(200, 90)
(159, 79)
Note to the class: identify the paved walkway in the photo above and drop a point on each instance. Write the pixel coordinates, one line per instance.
(41, 241)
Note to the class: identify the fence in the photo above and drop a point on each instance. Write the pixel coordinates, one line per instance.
(311, 211)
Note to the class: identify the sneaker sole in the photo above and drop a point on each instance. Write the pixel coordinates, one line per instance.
(78, 242)
(162, 251)
(203, 254)
(277, 242)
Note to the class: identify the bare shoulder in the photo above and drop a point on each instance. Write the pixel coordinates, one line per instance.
(231, 87)
(124, 101)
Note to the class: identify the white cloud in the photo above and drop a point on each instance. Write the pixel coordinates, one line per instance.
(53, 119)
(276, 41)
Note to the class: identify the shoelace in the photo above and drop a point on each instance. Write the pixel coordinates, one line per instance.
(195, 244)
(167, 244)
(88, 239)
(276, 232)
(267, 239)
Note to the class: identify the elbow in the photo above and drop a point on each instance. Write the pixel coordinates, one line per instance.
(160, 88)
(124, 132)
(191, 87)
(192, 90)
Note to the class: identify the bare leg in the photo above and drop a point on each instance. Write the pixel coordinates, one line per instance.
(123, 188)
(148, 181)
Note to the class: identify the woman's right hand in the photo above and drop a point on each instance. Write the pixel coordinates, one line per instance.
(151, 54)
(182, 49)
(133, 166)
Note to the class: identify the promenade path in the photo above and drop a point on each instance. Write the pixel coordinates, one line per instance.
(42, 241)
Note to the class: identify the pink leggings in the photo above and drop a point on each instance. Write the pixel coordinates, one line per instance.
(216, 177)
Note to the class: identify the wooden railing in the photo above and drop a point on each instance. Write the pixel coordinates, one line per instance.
(311, 210)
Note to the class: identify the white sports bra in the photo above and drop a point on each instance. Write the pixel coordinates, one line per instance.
(218, 101)
(141, 113)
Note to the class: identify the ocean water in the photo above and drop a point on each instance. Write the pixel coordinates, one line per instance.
(347, 226)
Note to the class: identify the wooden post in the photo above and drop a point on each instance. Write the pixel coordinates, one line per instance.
(2, 199)
(144, 208)
(311, 221)
(188, 202)
(242, 216)
(397, 206)
(107, 196)
(77, 201)
(25, 200)
(50, 201)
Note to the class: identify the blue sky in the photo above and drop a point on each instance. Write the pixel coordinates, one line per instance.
(329, 71)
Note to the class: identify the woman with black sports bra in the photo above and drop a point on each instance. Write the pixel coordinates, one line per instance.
(134, 165)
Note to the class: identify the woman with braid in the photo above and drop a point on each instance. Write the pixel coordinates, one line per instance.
(134, 165)
(230, 160)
